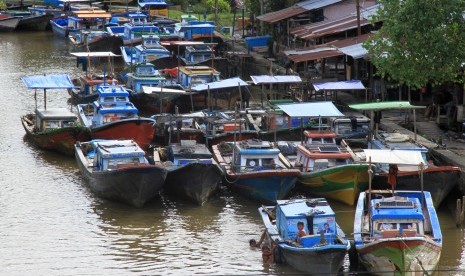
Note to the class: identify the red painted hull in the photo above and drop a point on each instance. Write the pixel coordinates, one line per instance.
(140, 130)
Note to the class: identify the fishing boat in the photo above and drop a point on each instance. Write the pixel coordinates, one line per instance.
(439, 180)
(66, 26)
(118, 170)
(253, 168)
(32, 19)
(96, 41)
(192, 171)
(149, 50)
(328, 168)
(56, 129)
(322, 250)
(352, 126)
(88, 84)
(113, 116)
(397, 232)
(8, 23)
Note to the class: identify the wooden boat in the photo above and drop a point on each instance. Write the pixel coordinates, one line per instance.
(8, 23)
(439, 180)
(118, 170)
(55, 129)
(206, 127)
(397, 232)
(149, 50)
(192, 171)
(96, 41)
(327, 167)
(322, 251)
(113, 116)
(35, 22)
(253, 168)
(88, 84)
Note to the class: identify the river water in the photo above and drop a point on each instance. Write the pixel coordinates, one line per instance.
(52, 224)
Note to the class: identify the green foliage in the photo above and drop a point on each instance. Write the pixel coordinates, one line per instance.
(2, 5)
(420, 41)
(223, 6)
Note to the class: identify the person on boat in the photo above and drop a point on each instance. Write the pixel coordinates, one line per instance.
(392, 176)
(254, 244)
(301, 233)
(327, 229)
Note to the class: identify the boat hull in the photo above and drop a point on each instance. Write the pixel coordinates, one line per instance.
(341, 183)
(35, 22)
(439, 181)
(327, 260)
(400, 256)
(131, 185)
(9, 24)
(60, 140)
(196, 182)
(140, 130)
(264, 186)
(103, 44)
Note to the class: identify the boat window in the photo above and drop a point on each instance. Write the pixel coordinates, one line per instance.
(328, 140)
(108, 99)
(120, 99)
(68, 124)
(253, 162)
(51, 124)
(386, 226)
(268, 163)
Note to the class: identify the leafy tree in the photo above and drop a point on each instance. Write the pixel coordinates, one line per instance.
(223, 6)
(419, 41)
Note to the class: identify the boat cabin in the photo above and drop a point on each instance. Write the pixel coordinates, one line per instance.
(255, 155)
(396, 216)
(88, 19)
(188, 151)
(112, 105)
(353, 125)
(197, 53)
(54, 118)
(320, 151)
(318, 218)
(115, 154)
(144, 75)
(150, 49)
(194, 75)
(137, 18)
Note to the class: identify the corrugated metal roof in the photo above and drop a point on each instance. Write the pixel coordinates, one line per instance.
(273, 17)
(356, 51)
(313, 109)
(314, 55)
(369, 12)
(339, 85)
(227, 83)
(267, 79)
(316, 30)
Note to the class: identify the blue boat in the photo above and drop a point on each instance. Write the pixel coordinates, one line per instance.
(118, 170)
(113, 116)
(192, 171)
(397, 232)
(81, 19)
(253, 168)
(149, 50)
(322, 251)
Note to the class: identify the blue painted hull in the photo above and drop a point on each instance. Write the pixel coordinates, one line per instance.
(267, 188)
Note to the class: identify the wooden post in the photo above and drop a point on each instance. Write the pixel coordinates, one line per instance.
(208, 96)
(240, 96)
(414, 124)
(458, 211)
(161, 99)
(462, 212)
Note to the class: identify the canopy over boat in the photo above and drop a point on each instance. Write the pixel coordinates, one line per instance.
(397, 157)
(376, 106)
(151, 90)
(158, 3)
(313, 109)
(58, 81)
(267, 79)
(339, 85)
(94, 54)
(227, 83)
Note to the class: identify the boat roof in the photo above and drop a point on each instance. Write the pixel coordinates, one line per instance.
(227, 83)
(267, 79)
(190, 149)
(112, 90)
(312, 109)
(150, 90)
(184, 43)
(397, 157)
(396, 208)
(319, 134)
(55, 113)
(55, 81)
(117, 148)
(193, 70)
(92, 14)
(143, 3)
(302, 207)
(137, 15)
(94, 54)
(339, 85)
(376, 106)
(256, 147)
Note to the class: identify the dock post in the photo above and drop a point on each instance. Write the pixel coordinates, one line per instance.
(458, 209)
(462, 210)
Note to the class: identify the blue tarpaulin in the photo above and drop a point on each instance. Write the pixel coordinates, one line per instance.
(313, 109)
(339, 85)
(59, 81)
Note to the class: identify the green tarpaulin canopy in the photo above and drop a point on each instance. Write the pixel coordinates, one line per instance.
(376, 106)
